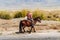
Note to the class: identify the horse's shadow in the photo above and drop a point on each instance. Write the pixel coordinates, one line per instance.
(19, 32)
(22, 32)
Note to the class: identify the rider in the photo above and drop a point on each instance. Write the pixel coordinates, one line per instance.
(29, 17)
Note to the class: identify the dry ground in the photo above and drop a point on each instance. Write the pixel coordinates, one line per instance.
(11, 26)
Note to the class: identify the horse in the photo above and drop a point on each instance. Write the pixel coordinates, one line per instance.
(27, 23)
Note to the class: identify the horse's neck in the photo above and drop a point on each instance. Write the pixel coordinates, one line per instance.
(35, 21)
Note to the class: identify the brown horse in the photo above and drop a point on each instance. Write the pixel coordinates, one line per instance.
(27, 23)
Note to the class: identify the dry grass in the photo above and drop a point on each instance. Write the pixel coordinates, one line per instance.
(12, 25)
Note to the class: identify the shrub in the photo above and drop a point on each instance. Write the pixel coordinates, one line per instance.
(42, 16)
(18, 15)
(48, 16)
(24, 12)
(39, 13)
(34, 15)
(5, 16)
(56, 16)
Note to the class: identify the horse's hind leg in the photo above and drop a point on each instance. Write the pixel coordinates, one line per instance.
(23, 29)
(20, 27)
(33, 29)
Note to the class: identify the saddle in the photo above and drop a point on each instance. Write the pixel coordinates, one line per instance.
(32, 22)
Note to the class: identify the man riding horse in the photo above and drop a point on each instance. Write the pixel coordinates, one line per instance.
(29, 18)
(30, 22)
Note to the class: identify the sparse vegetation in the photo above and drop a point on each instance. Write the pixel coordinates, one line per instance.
(40, 14)
(18, 15)
(5, 16)
(12, 25)
(44, 15)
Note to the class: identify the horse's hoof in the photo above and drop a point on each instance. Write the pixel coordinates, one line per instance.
(29, 32)
(34, 31)
(21, 32)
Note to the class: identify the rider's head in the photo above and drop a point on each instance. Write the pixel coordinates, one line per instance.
(28, 12)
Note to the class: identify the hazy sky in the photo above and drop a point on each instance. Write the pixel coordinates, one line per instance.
(31, 4)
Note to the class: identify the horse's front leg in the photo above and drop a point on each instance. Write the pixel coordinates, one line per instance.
(31, 29)
(34, 29)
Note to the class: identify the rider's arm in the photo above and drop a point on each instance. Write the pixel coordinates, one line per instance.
(25, 17)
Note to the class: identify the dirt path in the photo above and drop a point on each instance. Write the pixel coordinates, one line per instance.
(33, 36)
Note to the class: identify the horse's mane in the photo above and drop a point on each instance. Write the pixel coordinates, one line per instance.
(36, 18)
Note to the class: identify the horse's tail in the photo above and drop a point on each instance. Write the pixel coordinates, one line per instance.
(20, 26)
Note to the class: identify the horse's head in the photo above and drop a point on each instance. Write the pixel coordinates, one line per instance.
(38, 19)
